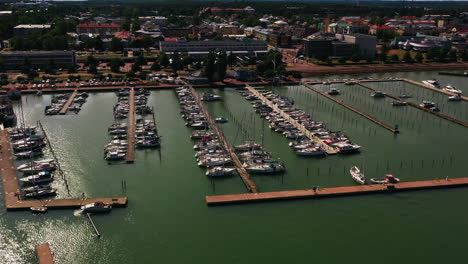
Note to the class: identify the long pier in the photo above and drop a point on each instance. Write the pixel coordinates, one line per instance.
(446, 117)
(131, 127)
(330, 150)
(44, 255)
(335, 191)
(243, 173)
(371, 118)
(464, 98)
(11, 188)
(68, 103)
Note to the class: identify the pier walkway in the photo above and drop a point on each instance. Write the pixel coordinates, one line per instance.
(11, 188)
(44, 255)
(330, 150)
(68, 103)
(464, 98)
(335, 191)
(446, 117)
(131, 127)
(371, 118)
(243, 173)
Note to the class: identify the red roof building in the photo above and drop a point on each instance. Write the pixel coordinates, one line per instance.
(98, 28)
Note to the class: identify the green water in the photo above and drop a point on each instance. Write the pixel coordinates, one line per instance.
(167, 220)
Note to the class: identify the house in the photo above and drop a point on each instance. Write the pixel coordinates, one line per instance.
(98, 29)
(375, 28)
(23, 30)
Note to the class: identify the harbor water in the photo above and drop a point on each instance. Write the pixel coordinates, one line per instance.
(168, 221)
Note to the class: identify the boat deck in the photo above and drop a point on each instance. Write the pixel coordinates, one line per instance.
(330, 150)
(243, 173)
(335, 191)
(371, 118)
(68, 103)
(44, 255)
(11, 186)
(131, 127)
(446, 117)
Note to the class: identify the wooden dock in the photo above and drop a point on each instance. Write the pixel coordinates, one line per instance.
(68, 103)
(11, 188)
(44, 255)
(446, 117)
(243, 173)
(464, 98)
(131, 127)
(330, 150)
(335, 191)
(359, 112)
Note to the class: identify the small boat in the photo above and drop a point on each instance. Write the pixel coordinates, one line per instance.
(346, 148)
(39, 178)
(334, 91)
(399, 103)
(404, 96)
(455, 98)
(34, 167)
(430, 105)
(248, 147)
(219, 171)
(28, 154)
(38, 209)
(210, 97)
(221, 120)
(316, 151)
(357, 175)
(41, 193)
(36, 188)
(389, 178)
(378, 94)
(433, 83)
(452, 89)
(97, 207)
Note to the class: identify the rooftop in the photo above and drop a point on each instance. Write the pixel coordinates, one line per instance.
(30, 26)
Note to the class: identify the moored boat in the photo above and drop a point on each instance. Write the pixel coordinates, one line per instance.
(97, 207)
(389, 178)
(357, 175)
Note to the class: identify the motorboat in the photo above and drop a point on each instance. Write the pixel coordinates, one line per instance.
(97, 207)
(28, 154)
(248, 147)
(207, 97)
(378, 94)
(39, 178)
(214, 161)
(115, 156)
(334, 91)
(41, 193)
(219, 171)
(455, 98)
(430, 105)
(452, 89)
(36, 188)
(433, 83)
(38, 209)
(389, 178)
(221, 120)
(357, 175)
(264, 167)
(314, 151)
(399, 103)
(345, 148)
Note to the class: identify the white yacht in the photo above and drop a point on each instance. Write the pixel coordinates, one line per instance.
(433, 83)
(357, 175)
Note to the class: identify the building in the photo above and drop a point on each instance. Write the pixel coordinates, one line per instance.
(175, 32)
(317, 48)
(98, 29)
(37, 59)
(23, 30)
(158, 20)
(365, 44)
(279, 40)
(203, 48)
(246, 75)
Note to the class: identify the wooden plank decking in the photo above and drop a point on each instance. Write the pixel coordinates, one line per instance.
(131, 127)
(330, 150)
(44, 255)
(243, 173)
(335, 191)
(359, 112)
(68, 103)
(11, 186)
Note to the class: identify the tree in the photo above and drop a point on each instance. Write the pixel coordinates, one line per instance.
(342, 60)
(90, 60)
(143, 75)
(210, 66)
(452, 55)
(383, 56)
(395, 57)
(115, 64)
(136, 67)
(71, 69)
(32, 74)
(187, 60)
(98, 44)
(328, 61)
(419, 57)
(141, 60)
(407, 57)
(116, 44)
(93, 69)
(130, 74)
(464, 55)
(156, 66)
(432, 54)
(26, 68)
(356, 57)
(50, 68)
(176, 62)
(231, 59)
(164, 59)
(221, 65)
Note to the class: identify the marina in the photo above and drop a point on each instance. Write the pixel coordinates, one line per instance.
(407, 156)
(68, 103)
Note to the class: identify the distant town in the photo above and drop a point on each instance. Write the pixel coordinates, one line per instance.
(205, 43)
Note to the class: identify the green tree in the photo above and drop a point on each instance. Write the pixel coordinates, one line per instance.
(356, 57)
(407, 57)
(92, 69)
(210, 66)
(395, 57)
(71, 69)
(419, 57)
(115, 64)
(221, 65)
(156, 66)
(464, 55)
(136, 67)
(164, 59)
(26, 68)
(141, 60)
(116, 44)
(99, 45)
(342, 60)
(383, 56)
(452, 54)
(231, 59)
